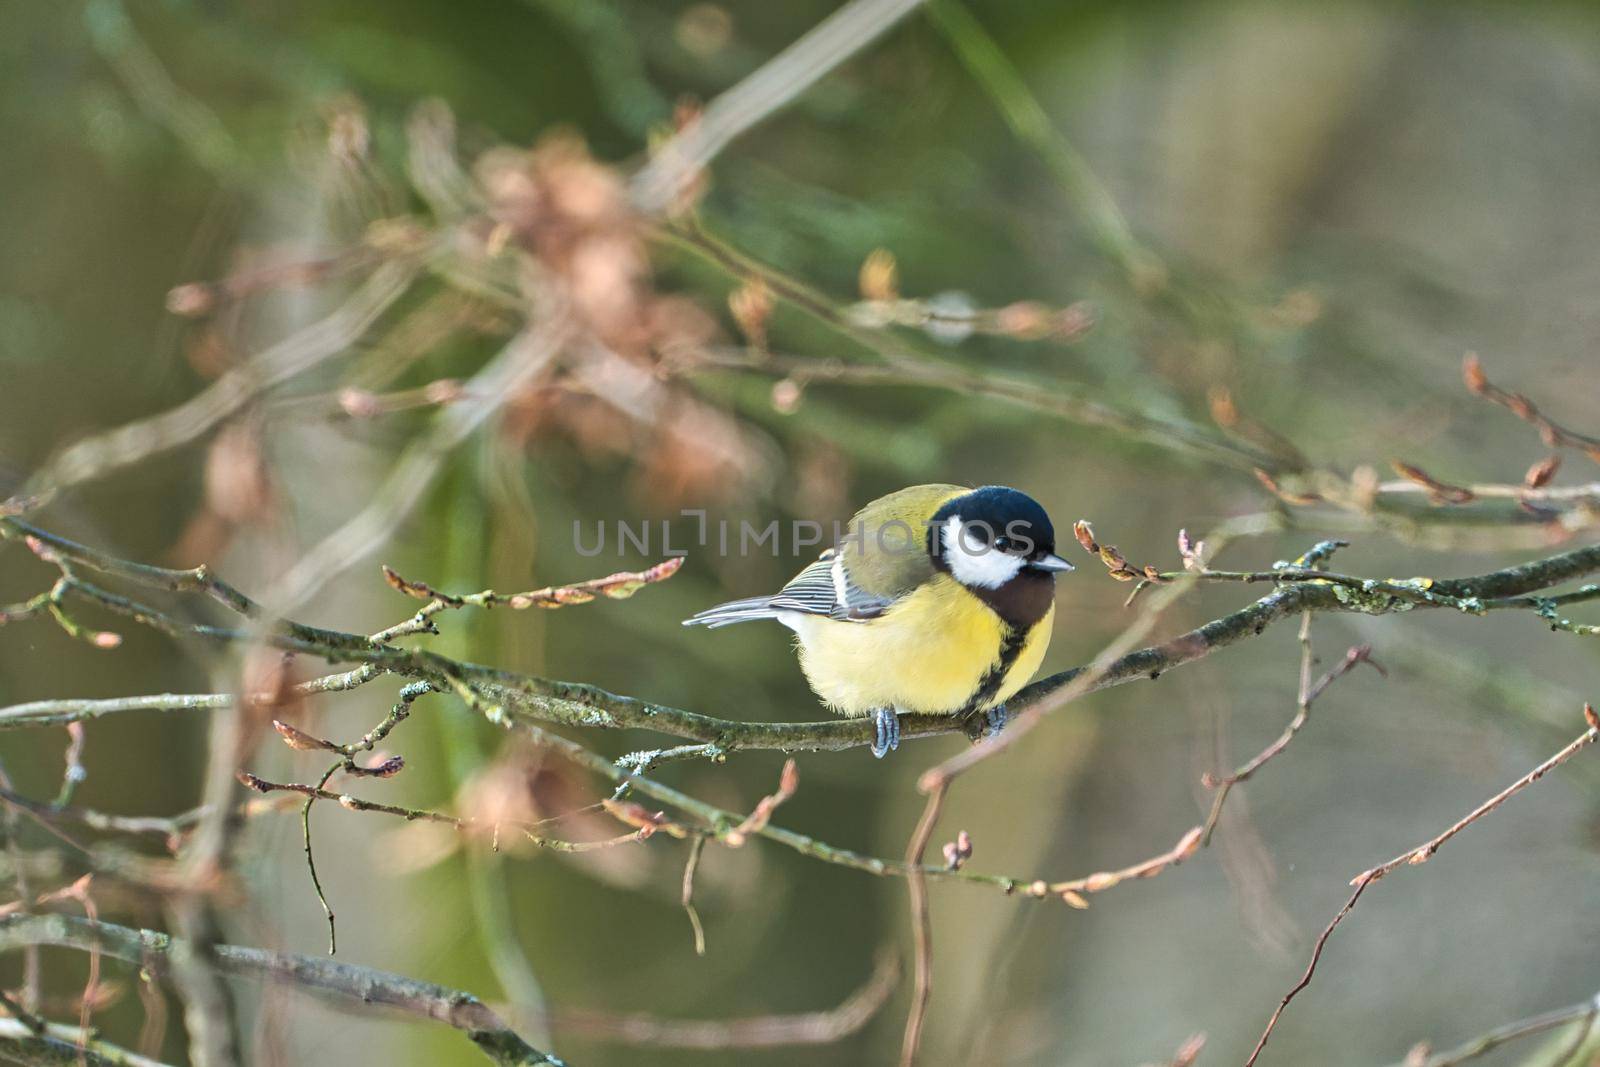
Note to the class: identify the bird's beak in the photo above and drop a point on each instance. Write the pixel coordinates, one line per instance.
(1050, 563)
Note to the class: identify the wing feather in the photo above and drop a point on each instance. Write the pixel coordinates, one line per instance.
(860, 581)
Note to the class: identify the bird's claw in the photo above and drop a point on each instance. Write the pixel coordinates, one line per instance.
(887, 732)
(996, 718)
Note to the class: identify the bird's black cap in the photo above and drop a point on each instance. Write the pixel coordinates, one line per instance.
(999, 511)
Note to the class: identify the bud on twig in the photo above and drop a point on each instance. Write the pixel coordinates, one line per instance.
(1193, 553)
(879, 277)
(1272, 485)
(751, 305)
(192, 300)
(301, 741)
(957, 852)
(1540, 473)
(786, 394)
(360, 403)
(1438, 492)
(386, 769)
(1085, 535)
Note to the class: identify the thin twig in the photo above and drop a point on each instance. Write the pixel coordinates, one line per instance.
(618, 586)
(1309, 692)
(63, 1045)
(527, 697)
(344, 985)
(1422, 1056)
(679, 162)
(1553, 434)
(351, 803)
(1421, 854)
(770, 1031)
(921, 926)
(97, 456)
(697, 845)
(757, 820)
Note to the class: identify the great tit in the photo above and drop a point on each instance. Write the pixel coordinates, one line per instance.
(938, 599)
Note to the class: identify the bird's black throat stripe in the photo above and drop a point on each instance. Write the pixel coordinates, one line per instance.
(1022, 604)
(1010, 648)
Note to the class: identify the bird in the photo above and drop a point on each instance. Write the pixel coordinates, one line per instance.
(938, 599)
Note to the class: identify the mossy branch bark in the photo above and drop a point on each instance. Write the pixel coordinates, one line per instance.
(343, 984)
(529, 699)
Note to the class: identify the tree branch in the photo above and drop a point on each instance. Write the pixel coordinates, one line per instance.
(1421, 854)
(524, 698)
(345, 985)
(59, 1046)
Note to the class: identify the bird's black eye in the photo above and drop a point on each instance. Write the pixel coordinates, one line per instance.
(1003, 543)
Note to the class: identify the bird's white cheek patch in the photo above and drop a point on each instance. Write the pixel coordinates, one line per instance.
(974, 563)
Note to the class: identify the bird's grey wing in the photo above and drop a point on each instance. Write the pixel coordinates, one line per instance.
(824, 588)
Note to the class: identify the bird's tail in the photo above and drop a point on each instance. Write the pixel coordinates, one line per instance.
(747, 610)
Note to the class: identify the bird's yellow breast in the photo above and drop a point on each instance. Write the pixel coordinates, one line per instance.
(927, 653)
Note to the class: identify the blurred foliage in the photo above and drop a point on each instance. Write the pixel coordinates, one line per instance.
(1337, 200)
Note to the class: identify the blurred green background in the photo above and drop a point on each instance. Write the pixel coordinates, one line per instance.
(1342, 197)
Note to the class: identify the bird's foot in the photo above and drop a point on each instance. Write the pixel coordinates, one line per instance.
(887, 724)
(996, 718)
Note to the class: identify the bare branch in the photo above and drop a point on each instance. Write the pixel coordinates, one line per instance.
(294, 355)
(60, 1046)
(1585, 1014)
(921, 926)
(680, 162)
(1553, 434)
(1309, 692)
(1421, 854)
(770, 1031)
(344, 985)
